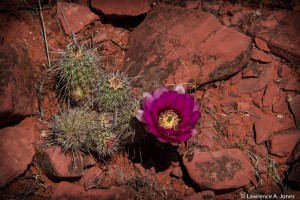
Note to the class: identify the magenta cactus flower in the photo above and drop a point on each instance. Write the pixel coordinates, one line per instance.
(170, 115)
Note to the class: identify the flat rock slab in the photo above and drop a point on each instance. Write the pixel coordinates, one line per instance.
(66, 190)
(181, 45)
(76, 16)
(92, 178)
(205, 195)
(60, 166)
(295, 154)
(280, 29)
(282, 143)
(266, 126)
(225, 169)
(17, 90)
(249, 85)
(121, 8)
(294, 104)
(17, 151)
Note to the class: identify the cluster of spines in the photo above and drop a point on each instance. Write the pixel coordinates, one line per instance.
(77, 72)
(79, 130)
(83, 82)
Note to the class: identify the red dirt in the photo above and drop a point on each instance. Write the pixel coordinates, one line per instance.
(143, 166)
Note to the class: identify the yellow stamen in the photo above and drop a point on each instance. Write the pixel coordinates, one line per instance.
(168, 119)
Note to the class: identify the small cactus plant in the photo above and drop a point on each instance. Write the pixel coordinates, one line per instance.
(77, 72)
(113, 96)
(71, 130)
(81, 131)
(112, 92)
(105, 143)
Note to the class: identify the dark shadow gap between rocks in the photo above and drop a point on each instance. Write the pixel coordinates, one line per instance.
(128, 23)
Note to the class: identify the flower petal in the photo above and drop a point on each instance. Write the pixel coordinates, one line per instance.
(145, 94)
(139, 115)
(197, 106)
(195, 116)
(195, 132)
(147, 102)
(177, 101)
(161, 139)
(179, 88)
(148, 118)
(174, 143)
(159, 91)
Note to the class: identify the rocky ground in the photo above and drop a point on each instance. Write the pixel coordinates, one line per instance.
(239, 58)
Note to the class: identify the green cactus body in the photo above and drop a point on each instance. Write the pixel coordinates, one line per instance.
(83, 131)
(78, 72)
(113, 96)
(112, 92)
(105, 143)
(71, 130)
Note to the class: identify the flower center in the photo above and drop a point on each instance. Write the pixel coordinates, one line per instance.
(168, 119)
(115, 83)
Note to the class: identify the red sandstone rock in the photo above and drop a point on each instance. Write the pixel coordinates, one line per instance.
(229, 8)
(294, 175)
(189, 191)
(225, 169)
(250, 73)
(205, 195)
(261, 150)
(235, 120)
(280, 30)
(295, 155)
(62, 166)
(296, 5)
(255, 84)
(295, 108)
(121, 8)
(257, 101)
(77, 16)
(236, 79)
(209, 50)
(280, 104)
(205, 138)
(261, 44)
(17, 151)
(265, 127)
(270, 95)
(253, 70)
(92, 178)
(17, 90)
(260, 56)
(283, 142)
(212, 6)
(284, 70)
(193, 4)
(292, 85)
(177, 172)
(66, 190)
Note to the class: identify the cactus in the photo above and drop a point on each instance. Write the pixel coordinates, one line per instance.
(105, 143)
(81, 131)
(112, 92)
(101, 131)
(71, 130)
(77, 72)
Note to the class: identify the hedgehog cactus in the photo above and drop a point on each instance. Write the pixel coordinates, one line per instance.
(105, 143)
(112, 92)
(77, 71)
(71, 130)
